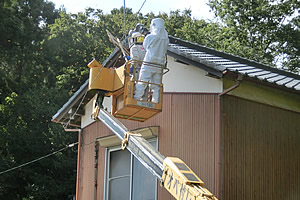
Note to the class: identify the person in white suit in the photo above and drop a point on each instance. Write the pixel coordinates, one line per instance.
(156, 45)
(137, 52)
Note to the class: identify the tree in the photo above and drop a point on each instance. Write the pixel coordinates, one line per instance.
(27, 134)
(268, 30)
(28, 99)
(40, 72)
(23, 26)
(43, 60)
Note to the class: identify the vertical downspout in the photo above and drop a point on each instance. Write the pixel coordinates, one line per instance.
(78, 164)
(96, 169)
(220, 138)
(218, 148)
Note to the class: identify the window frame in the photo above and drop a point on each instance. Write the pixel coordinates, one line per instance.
(108, 150)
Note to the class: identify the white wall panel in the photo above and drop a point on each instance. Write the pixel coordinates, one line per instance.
(86, 119)
(188, 78)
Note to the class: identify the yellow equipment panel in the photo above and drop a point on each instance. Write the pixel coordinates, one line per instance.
(182, 182)
(107, 79)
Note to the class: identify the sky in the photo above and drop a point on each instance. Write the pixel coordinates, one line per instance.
(199, 8)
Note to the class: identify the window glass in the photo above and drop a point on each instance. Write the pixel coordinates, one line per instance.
(128, 178)
(119, 175)
(119, 188)
(143, 180)
(119, 163)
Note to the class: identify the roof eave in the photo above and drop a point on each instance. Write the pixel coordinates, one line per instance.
(210, 67)
(78, 95)
(234, 75)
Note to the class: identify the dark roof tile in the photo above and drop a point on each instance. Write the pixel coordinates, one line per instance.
(293, 83)
(223, 62)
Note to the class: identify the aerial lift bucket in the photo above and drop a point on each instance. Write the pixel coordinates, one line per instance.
(125, 106)
(120, 84)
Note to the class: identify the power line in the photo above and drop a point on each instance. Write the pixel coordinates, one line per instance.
(124, 20)
(38, 159)
(72, 116)
(141, 7)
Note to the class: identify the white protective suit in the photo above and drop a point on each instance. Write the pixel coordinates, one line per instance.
(137, 52)
(156, 45)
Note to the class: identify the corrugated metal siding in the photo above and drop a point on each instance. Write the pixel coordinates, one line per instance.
(101, 172)
(86, 185)
(261, 151)
(87, 161)
(187, 130)
(193, 134)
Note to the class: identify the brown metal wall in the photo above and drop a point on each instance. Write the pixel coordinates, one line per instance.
(188, 130)
(87, 162)
(261, 151)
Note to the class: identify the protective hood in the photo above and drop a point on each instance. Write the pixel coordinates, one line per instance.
(157, 27)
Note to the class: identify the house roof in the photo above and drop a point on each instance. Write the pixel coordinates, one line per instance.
(215, 63)
(219, 63)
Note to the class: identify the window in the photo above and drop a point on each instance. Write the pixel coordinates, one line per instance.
(127, 178)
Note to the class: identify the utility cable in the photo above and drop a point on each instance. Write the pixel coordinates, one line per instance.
(83, 97)
(71, 117)
(38, 159)
(67, 124)
(136, 14)
(141, 7)
(124, 20)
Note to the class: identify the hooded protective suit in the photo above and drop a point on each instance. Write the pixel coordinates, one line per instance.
(137, 52)
(156, 45)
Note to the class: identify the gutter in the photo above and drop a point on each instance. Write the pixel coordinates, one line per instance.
(219, 138)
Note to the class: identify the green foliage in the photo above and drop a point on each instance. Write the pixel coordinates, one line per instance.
(267, 30)
(27, 134)
(28, 99)
(43, 60)
(22, 30)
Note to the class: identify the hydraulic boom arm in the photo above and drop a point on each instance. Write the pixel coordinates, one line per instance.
(174, 175)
